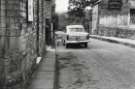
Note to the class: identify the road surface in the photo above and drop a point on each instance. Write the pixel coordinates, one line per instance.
(102, 65)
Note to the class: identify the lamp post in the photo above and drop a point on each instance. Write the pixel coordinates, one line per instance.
(88, 9)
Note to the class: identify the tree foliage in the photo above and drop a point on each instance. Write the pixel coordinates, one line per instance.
(76, 7)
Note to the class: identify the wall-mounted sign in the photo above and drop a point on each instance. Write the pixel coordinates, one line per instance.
(30, 10)
(115, 4)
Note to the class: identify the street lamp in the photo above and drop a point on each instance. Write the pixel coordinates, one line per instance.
(88, 16)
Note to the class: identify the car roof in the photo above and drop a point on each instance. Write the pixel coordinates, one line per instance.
(74, 26)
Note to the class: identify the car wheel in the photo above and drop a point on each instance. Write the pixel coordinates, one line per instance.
(86, 45)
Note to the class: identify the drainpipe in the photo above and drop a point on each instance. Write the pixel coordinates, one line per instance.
(52, 38)
(5, 45)
(39, 58)
(97, 32)
(37, 30)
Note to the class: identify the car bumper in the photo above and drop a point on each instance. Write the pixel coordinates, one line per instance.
(77, 42)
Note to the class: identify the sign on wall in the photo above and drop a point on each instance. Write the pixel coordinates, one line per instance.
(30, 10)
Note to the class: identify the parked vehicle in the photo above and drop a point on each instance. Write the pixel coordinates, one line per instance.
(76, 34)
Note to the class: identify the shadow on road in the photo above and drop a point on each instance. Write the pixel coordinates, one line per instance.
(77, 46)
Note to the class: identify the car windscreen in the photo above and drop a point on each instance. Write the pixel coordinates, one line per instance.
(76, 29)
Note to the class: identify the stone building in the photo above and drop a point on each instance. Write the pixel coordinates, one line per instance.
(49, 5)
(116, 18)
(22, 39)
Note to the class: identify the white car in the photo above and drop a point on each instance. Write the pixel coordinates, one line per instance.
(76, 34)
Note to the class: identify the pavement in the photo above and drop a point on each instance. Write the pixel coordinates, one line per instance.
(44, 76)
(123, 41)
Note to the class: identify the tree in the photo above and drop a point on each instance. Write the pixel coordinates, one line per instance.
(76, 7)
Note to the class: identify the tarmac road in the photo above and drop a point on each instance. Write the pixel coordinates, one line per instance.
(102, 65)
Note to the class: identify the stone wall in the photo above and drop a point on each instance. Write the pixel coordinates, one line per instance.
(117, 32)
(49, 12)
(21, 42)
(2, 25)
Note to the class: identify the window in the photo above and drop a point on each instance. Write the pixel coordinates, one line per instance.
(115, 4)
(132, 16)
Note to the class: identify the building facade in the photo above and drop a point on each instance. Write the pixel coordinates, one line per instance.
(22, 39)
(116, 18)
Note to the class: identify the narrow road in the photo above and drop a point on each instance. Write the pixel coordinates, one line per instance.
(102, 65)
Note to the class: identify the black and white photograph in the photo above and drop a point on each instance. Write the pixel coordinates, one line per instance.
(67, 44)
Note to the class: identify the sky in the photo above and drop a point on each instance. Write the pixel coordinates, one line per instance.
(61, 6)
